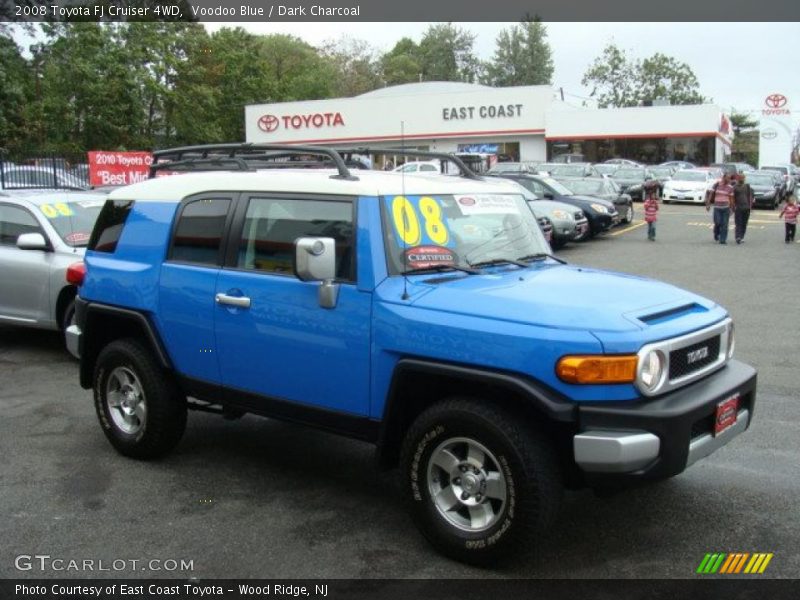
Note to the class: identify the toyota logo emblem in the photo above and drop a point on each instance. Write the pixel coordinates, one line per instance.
(775, 100)
(769, 134)
(268, 123)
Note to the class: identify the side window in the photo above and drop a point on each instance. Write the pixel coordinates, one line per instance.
(198, 234)
(272, 225)
(427, 168)
(14, 221)
(108, 227)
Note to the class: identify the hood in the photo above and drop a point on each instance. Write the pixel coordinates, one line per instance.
(590, 200)
(687, 185)
(548, 206)
(545, 296)
(762, 188)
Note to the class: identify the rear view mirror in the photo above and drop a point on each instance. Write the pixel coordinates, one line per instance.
(31, 241)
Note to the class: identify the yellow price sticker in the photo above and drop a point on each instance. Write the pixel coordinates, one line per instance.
(407, 222)
(51, 211)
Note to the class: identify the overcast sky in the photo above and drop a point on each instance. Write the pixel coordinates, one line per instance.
(737, 64)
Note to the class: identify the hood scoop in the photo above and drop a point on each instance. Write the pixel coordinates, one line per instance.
(672, 313)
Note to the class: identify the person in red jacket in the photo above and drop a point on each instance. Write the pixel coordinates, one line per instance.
(651, 211)
(789, 214)
(721, 196)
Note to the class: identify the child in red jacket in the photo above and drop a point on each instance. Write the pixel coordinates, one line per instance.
(789, 214)
(651, 211)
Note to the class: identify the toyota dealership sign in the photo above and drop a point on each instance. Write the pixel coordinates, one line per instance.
(775, 104)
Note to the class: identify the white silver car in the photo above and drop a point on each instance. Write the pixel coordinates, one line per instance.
(42, 234)
(688, 185)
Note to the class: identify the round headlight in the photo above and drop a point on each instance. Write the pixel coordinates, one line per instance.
(600, 208)
(651, 370)
(731, 341)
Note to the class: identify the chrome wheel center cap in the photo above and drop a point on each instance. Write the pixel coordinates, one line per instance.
(471, 483)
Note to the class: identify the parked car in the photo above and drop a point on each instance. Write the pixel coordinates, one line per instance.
(575, 170)
(28, 177)
(631, 180)
(688, 185)
(604, 188)
(424, 315)
(766, 190)
(606, 169)
(513, 167)
(545, 168)
(787, 174)
(601, 214)
(662, 175)
(569, 158)
(741, 167)
(421, 166)
(569, 224)
(678, 164)
(725, 168)
(624, 162)
(43, 234)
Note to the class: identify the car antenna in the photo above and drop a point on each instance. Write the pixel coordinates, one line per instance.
(404, 219)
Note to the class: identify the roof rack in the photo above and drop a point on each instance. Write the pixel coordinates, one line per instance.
(244, 157)
(464, 170)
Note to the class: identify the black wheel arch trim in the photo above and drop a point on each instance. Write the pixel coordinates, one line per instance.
(85, 309)
(551, 404)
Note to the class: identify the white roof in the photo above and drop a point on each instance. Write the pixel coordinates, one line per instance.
(317, 181)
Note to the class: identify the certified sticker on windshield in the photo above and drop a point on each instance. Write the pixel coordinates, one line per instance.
(487, 204)
(422, 257)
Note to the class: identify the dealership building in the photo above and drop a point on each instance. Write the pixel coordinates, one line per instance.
(528, 123)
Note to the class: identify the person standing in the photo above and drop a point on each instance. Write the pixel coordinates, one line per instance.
(721, 196)
(789, 214)
(742, 203)
(651, 212)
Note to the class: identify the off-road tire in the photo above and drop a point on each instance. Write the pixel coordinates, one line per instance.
(165, 418)
(523, 455)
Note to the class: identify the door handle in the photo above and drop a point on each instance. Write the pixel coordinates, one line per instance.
(240, 301)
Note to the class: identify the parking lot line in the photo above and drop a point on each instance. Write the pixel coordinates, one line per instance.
(629, 228)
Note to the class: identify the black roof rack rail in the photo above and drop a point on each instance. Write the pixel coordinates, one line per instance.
(229, 155)
(464, 170)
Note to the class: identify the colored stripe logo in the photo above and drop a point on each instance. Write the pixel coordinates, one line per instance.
(735, 563)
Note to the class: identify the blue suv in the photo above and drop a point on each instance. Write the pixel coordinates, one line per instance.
(422, 314)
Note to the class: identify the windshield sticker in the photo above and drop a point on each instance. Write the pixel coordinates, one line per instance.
(77, 238)
(487, 204)
(422, 257)
(419, 221)
(59, 209)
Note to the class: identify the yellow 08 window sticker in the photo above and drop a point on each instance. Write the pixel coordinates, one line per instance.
(406, 219)
(59, 209)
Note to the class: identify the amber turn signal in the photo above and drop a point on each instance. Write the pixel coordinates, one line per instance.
(597, 369)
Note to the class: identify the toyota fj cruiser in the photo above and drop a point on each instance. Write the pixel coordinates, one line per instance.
(423, 314)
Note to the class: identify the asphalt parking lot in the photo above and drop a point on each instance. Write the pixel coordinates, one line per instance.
(260, 498)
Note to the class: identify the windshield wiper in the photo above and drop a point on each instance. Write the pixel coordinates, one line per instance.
(540, 256)
(499, 261)
(439, 269)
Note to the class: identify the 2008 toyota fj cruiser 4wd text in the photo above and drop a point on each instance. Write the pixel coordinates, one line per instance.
(423, 314)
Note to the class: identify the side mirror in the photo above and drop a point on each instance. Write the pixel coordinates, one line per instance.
(31, 241)
(548, 195)
(315, 260)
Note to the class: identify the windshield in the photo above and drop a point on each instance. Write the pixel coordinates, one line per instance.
(759, 180)
(660, 172)
(588, 186)
(447, 231)
(630, 174)
(783, 170)
(690, 176)
(568, 170)
(606, 169)
(73, 221)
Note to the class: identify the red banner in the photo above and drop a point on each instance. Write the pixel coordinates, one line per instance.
(118, 168)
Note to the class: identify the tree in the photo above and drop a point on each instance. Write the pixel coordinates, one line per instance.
(662, 76)
(294, 70)
(616, 80)
(16, 85)
(612, 78)
(446, 54)
(402, 64)
(741, 121)
(522, 56)
(355, 65)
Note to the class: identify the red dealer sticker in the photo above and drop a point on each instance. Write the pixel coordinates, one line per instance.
(422, 257)
(118, 168)
(76, 238)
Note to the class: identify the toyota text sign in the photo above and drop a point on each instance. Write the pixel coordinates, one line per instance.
(118, 168)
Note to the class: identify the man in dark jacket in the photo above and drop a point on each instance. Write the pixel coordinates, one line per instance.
(742, 203)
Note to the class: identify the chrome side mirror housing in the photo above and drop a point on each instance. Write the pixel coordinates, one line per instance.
(315, 260)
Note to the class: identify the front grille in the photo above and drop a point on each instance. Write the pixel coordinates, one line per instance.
(679, 365)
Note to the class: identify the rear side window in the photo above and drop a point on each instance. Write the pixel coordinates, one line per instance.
(199, 231)
(108, 228)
